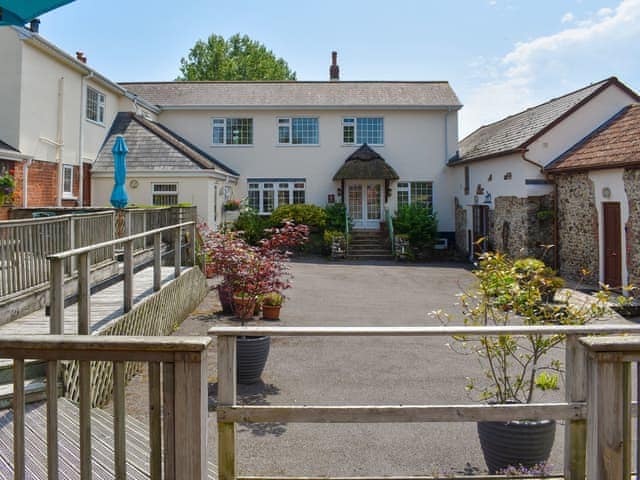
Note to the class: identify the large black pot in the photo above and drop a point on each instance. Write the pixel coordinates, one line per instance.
(516, 443)
(251, 356)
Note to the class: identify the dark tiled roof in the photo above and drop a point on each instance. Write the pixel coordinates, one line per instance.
(517, 131)
(615, 144)
(294, 94)
(365, 163)
(6, 146)
(152, 146)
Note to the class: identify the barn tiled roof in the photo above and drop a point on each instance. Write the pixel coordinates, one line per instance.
(614, 144)
(515, 132)
(365, 163)
(152, 146)
(297, 94)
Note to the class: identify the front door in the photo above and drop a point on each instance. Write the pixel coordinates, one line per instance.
(612, 244)
(365, 204)
(480, 221)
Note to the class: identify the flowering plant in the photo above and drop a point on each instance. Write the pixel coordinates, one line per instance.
(231, 205)
(7, 186)
(249, 271)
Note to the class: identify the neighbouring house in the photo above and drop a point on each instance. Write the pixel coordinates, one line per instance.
(297, 141)
(598, 192)
(162, 168)
(55, 112)
(501, 191)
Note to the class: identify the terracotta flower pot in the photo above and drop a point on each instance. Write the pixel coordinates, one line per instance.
(271, 312)
(243, 306)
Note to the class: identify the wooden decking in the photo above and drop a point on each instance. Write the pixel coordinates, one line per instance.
(106, 306)
(137, 441)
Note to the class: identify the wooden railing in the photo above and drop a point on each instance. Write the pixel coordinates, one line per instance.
(610, 407)
(573, 410)
(25, 245)
(82, 255)
(177, 399)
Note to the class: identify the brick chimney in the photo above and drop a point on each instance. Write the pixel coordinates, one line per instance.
(81, 57)
(334, 69)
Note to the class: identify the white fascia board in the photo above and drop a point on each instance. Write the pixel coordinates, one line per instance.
(311, 107)
(14, 156)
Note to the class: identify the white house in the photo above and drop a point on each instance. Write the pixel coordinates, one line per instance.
(501, 191)
(288, 140)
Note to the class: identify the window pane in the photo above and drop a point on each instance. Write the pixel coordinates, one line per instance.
(304, 131)
(100, 108)
(348, 134)
(283, 135)
(218, 135)
(254, 199)
(370, 130)
(165, 194)
(92, 104)
(421, 193)
(239, 131)
(267, 201)
(283, 197)
(68, 179)
(403, 198)
(298, 196)
(165, 199)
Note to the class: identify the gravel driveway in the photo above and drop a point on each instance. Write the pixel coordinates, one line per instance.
(352, 370)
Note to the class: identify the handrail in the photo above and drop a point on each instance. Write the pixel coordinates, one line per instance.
(574, 410)
(391, 232)
(581, 330)
(177, 398)
(90, 248)
(347, 221)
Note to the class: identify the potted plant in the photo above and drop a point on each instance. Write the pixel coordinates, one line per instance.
(7, 187)
(271, 304)
(515, 367)
(231, 210)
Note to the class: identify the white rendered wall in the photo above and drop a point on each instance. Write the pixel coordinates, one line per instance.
(612, 179)
(10, 68)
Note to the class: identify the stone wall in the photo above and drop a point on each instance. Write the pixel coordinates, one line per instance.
(631, 179)
(516, 228)
(461, 228)
(577, 227)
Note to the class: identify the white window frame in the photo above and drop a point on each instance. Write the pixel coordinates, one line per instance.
(407, 189)
(67, 169)
(277, 186)
(164, 192)
(355, 130)
(287, 122)
(223, 122)
(100, 106)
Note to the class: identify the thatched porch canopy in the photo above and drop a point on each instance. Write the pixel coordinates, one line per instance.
(365, 164)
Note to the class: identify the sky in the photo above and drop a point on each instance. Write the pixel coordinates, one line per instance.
(500, 56)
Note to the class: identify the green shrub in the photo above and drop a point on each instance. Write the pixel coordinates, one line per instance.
(302, 214)
(329, 235)
(419, 224)
(252, 226)
(336, 217)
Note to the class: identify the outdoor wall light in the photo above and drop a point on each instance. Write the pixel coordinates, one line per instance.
(487, 198)
(606, 192)
(339, 192)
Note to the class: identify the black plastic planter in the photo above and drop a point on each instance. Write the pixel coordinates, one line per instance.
(251, 357)
(523, 442)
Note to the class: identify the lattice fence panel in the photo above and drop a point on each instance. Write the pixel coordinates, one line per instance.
(159, 314)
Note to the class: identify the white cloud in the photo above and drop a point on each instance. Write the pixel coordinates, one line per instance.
(551, 65)
(493, 3)
(605, 12)
(567, 18)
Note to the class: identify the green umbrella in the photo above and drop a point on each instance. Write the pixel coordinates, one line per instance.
(20, 12)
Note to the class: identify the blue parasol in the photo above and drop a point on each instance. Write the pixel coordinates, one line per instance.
(119, 197)
(19, 12)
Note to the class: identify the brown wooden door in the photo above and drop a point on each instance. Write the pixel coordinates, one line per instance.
(480, 221)
(612, 244)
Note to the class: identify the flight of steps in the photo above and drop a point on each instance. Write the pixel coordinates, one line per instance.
(369, 245)
(35, 372)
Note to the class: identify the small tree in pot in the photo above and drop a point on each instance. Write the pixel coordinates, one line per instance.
(515, 366)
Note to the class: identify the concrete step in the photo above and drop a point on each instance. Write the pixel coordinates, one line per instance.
(32, 369)
(35, 390)
(369, 251)
(367, 243)
(371, 257)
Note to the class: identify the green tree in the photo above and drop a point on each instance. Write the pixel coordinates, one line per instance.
(238, 58)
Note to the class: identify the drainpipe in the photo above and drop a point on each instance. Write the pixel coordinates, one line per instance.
(83, 104)
(26, 163)
(59, 139)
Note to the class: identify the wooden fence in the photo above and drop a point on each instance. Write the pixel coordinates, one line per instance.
(177, 399)
(573, 410)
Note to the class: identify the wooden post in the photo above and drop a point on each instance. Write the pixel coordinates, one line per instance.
(193, 243)
(155, 421)
(85, 420)
(119, 421)
(575, 432)
(606, 438)
(168, 419)
(190, 419)
(84, 294)
(227, 463)
(177, 251)
(18, 419)
(56, 297)
(52, 419)
(128, 275)
(157, 261)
